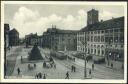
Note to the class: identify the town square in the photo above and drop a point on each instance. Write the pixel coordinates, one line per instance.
(49, 41)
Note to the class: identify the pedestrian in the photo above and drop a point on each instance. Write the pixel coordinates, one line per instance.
(90, 72)
(36, 76)
(44, 64)
(44, 77)
(40, 75)
(111, 65)
(67, 75)
(18, 71)
(92, 66)
(34, 65)
(72, 68)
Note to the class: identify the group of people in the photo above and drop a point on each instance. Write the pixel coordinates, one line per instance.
(39, 75)
(49, 65)
(30, 67)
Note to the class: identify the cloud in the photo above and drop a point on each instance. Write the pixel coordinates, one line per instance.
(107, 15)
(27, 21)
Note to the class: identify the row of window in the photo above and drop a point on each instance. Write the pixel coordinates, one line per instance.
(105, 31)
(93, 51)
(115, 39)
(96, 38)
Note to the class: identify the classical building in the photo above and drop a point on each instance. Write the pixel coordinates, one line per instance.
(6, 34)
(102, 38)
(13, 37)
(60, 40)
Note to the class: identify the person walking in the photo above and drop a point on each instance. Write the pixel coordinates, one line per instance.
(44, 64)
(90, 72)
(18, 71)
(92, 66)
(34, 65)
(36, 76)
(72, 68)
(44, 77)
(67, 75)
(111, 65)
(40, 75)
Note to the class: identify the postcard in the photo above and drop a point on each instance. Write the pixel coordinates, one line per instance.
(63, 42)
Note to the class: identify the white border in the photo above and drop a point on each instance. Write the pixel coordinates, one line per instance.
(62, 80)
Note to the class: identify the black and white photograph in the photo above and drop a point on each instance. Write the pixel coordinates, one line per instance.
(83, 41)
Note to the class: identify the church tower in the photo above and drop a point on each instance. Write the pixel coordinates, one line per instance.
(92, 16)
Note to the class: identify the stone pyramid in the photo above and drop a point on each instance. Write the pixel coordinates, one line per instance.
(35, 54)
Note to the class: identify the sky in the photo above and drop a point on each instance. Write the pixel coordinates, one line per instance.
(36, 18)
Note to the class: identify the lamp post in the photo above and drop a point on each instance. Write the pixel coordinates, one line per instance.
(85, 70)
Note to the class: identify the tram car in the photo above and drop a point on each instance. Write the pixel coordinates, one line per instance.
(59, 55)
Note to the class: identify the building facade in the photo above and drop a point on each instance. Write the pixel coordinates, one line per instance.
(60, 40)
(81, 39)
(13, 37)
(103, 38)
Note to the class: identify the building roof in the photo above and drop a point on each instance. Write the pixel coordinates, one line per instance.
(60, 31)
(14, 31)
(108, 24)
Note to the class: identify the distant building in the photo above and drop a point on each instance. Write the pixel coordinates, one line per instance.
(31, 39)
(60, 40)
(102, 38)
(6, 34)
(13, 37)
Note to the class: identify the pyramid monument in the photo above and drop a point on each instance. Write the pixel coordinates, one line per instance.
(35, 54)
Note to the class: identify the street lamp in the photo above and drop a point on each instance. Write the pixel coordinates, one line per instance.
(84, 54)
(85, 70)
